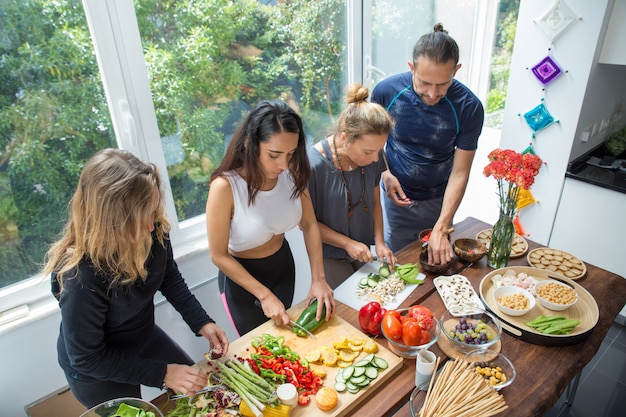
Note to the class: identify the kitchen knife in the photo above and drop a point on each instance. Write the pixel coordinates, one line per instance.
(294, 324)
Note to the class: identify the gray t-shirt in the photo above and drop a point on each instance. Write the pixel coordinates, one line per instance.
(330, 201)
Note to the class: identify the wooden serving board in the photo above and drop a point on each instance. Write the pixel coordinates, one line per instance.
(585, 310)
(332, 331)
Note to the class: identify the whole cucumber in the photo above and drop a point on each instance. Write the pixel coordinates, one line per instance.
(308, 321)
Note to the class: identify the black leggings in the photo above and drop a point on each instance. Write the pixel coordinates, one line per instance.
(90, 392)
(277, 272)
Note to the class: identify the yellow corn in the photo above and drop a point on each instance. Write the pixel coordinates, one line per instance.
(281, 410)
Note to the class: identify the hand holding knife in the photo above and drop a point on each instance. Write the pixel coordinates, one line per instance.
(291, 324)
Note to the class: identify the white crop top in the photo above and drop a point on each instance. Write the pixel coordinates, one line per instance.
(274, 212)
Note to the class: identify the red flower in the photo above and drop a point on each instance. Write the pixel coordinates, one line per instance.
(513, 171)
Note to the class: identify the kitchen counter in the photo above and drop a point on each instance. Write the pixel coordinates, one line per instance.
(598, 167)
(543, 373)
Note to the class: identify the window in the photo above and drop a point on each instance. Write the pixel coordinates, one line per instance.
(170, 79)
(167, 80)
(53, 115)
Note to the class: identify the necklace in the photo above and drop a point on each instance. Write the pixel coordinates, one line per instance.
(345, 183)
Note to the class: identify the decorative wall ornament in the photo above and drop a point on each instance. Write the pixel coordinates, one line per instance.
(539, 118)
(556, 20)
(546, 70)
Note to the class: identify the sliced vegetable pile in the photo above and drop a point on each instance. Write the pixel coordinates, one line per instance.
(125, 410)
(355, 377)
(271, 359)
(553, 324)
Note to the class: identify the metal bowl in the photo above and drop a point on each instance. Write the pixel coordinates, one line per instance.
(108, 408)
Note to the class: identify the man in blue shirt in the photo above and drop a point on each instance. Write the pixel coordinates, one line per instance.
(430, 151)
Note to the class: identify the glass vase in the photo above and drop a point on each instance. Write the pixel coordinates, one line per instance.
(501, 242)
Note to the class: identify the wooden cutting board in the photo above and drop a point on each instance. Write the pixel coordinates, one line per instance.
(333, 330)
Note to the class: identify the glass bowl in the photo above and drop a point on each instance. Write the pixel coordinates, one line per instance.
(416, 401)
(108, 408)
(492, 359)
(466, 321)
(411, 352)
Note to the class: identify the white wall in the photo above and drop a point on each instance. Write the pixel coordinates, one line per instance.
(576, 50)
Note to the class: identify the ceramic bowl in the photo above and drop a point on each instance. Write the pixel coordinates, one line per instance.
(486, 358)
(411, 352)
(470, 250)
(560, 292)
(108, 408)
(508, 291)
(456, 328)
(432, 269)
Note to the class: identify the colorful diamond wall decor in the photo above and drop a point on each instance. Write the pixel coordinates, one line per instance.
(546, 70)
(556, 20)
(538, 118)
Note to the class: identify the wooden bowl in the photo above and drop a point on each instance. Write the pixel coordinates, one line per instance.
(469, 250)
(433, 269)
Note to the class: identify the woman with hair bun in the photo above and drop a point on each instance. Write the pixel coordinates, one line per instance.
(346, 167)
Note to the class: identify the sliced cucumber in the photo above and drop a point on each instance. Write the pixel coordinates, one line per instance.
(368, 358)
(351, 387)
(372, 282)
(371, 372)
(347, 372)
(358, 371)
(363, 282)
(339, 377)
(340, 386)
(354, 390)
(357, 380)
(380, 363)
(365, 383)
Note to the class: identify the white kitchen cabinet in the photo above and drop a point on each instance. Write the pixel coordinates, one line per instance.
(590, 224)
(614, 46)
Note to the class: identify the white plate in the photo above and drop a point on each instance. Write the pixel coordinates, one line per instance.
(458, 295)
(346, 292)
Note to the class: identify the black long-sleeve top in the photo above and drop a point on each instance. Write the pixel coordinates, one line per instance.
(103, 329)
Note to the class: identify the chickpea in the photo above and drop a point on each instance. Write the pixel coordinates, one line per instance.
(517, 301)
(556, 293)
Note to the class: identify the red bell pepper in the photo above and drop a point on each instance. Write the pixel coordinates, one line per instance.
(370, 318)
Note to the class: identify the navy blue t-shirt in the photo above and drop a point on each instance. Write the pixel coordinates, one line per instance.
(420, 149)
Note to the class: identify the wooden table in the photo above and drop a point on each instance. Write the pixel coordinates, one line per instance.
(543, 373)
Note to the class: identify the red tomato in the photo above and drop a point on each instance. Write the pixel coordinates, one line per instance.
(392, 325)
(304, 399)
(423, 316)
(411, 332)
